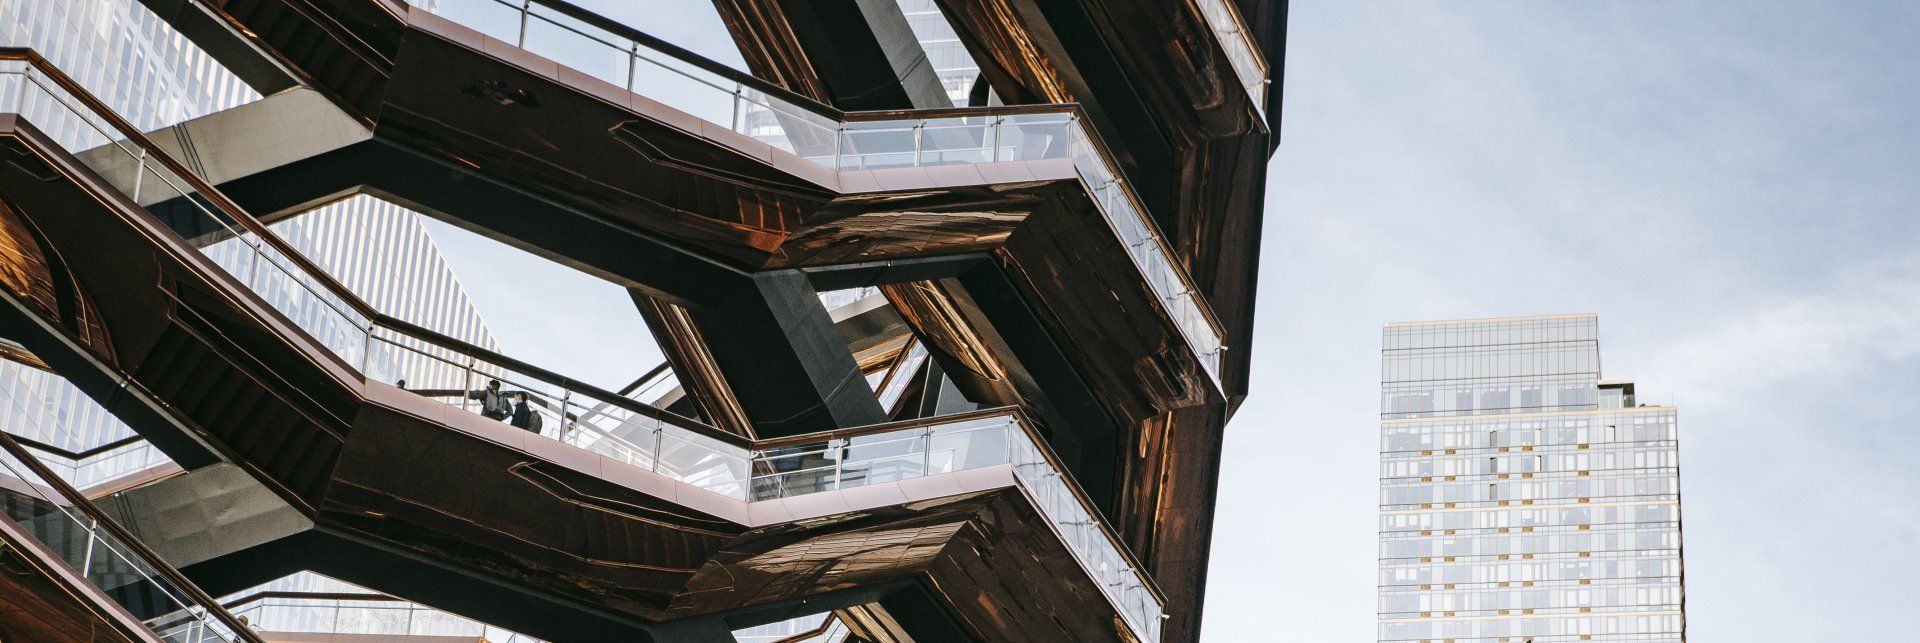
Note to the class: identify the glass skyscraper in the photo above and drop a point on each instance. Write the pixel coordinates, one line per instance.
(1522, 497)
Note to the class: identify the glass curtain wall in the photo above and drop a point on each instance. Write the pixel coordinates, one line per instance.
(1514, 506)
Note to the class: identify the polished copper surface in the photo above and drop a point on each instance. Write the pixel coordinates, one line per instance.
(765, 37)
(25, 269)
(686, 351)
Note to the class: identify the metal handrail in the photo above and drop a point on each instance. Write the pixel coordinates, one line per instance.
(102, 521)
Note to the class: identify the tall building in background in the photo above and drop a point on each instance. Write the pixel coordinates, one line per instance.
(1522, 497)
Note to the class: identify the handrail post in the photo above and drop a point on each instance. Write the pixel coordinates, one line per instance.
(633, 63)
(466, 388)
(139, 172)
(919, 127)
(999, 123)
(526, 9)
(734, 121)
(839, 132)
(658, 428)
(926, 451)
(93, 536)
(366, 349)
(839, 460)
(1007, 433)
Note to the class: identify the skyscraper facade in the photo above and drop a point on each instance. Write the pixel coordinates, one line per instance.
(1522, 497)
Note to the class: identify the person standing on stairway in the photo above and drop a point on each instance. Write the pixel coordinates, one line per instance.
(493, 401)
(523, 416)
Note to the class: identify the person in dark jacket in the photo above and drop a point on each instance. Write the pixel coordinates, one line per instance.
(493, 401)
(523, 416)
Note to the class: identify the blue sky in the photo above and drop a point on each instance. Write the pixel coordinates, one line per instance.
(1730, 185)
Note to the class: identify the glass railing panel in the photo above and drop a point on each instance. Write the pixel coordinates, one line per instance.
(576, 44)
(61, 467)
(612, 431)
(497, 19)
(779, 631)
(958, 140)
(969, 444)
(796, 470)
(367, 617)
(528, 402)
(704, 462)
(686, 88)
(841, 463)
(1149, 252)
(886, 457)
(310, 306)
(781, 123)
(869, 145)
(1034, 137)
(426, 369)
(313, 604)
(25, 91)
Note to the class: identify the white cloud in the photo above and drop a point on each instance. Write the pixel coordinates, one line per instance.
(1862, 319)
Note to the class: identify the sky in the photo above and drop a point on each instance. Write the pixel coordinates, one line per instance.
(1729, 185)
